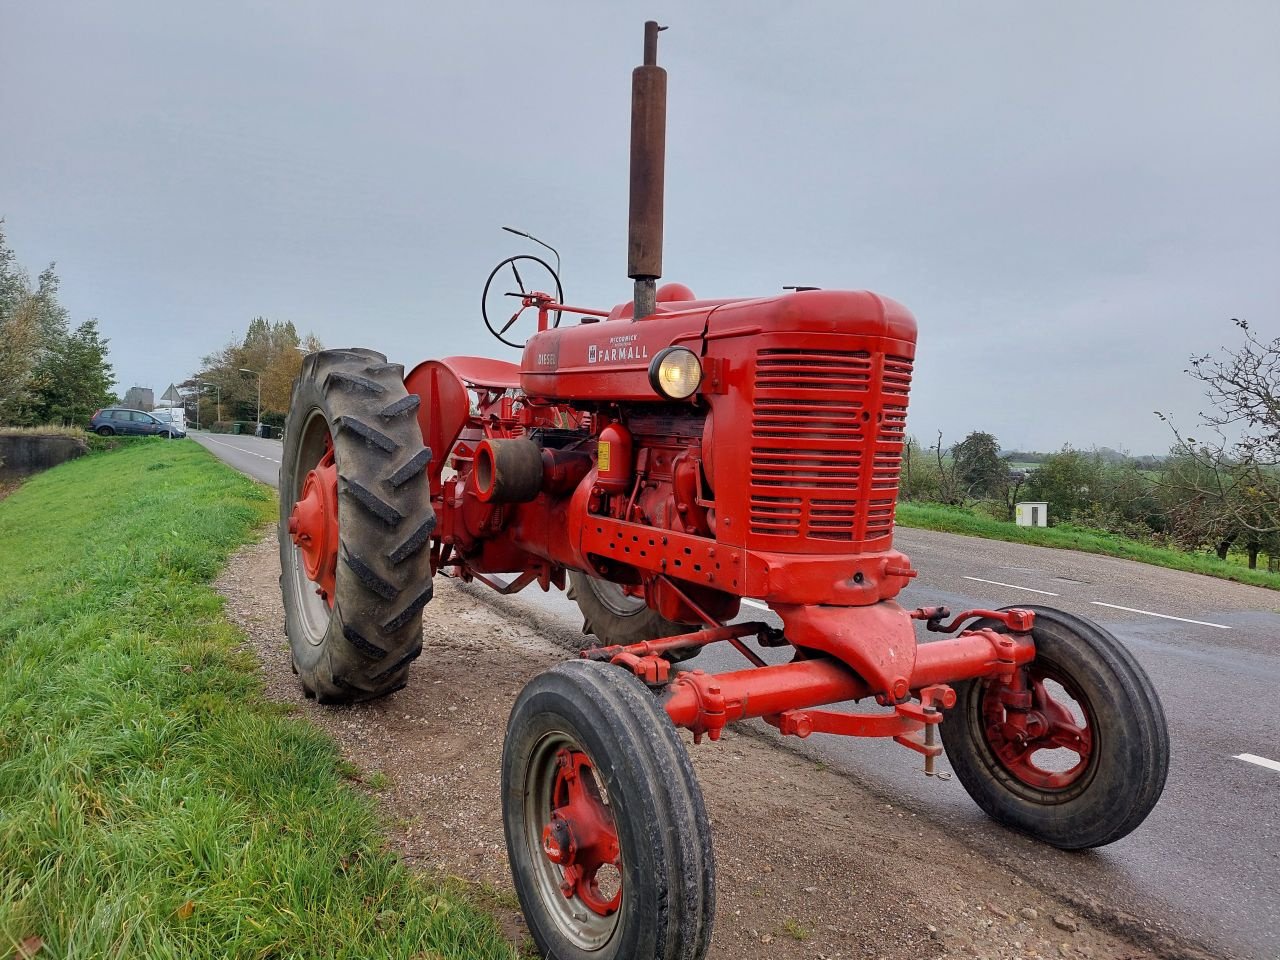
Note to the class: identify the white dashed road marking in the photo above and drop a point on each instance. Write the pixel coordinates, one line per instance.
(1260, 761)
(1014, 586)
(232, 446)
(1162, 616)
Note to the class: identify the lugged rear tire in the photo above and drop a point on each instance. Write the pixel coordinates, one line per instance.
(362, 646)
(614, 617)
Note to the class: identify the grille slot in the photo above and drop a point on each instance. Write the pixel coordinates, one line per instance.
(827, 429)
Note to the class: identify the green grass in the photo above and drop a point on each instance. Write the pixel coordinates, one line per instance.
(936, 516)
(151, 803)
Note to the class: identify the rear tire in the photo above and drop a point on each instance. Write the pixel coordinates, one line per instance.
(1116, 779)
(361, 646)
(105, 432)
(613, 616)
(642, 780)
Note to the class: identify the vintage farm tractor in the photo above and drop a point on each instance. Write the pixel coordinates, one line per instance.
(664, 460)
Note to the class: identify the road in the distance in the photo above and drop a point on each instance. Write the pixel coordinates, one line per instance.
(1206, 863)
(258, 458)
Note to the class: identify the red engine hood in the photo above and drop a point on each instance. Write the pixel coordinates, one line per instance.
(609, 360)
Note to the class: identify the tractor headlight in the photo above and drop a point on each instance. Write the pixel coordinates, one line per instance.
(675, 373)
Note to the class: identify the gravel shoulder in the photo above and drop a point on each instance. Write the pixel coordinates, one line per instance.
(810, 863)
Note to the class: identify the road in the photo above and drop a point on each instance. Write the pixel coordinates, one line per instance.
(1206, 863)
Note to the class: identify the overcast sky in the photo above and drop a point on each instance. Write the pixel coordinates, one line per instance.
(1071, 197)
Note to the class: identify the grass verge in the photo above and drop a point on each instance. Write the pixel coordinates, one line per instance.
(936, 516)
(151, 803)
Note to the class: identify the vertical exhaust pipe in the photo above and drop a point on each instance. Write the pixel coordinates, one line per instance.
(648, 169)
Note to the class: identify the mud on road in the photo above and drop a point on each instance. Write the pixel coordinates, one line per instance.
(810, 863)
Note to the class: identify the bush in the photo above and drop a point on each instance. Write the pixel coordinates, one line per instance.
(220, 426)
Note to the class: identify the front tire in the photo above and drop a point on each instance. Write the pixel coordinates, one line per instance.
(1096, 759)
(595, 780)
(350, 410)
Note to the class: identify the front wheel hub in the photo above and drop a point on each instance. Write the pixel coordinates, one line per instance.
(1048, 742)
(313, 525)
(580, 836)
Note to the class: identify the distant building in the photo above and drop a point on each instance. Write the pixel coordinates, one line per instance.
(140, 398)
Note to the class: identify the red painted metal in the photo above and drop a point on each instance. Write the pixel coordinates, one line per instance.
(704, 703)
(313, 524)
(1016, 620)
(580, 835)
(1023, 719)
(777, 480)
(613, 458)
(646, 659)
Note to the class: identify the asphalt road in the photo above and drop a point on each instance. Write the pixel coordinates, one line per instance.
(1206, 863)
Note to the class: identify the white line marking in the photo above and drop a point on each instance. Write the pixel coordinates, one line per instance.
(232, 446)
(1014, 586)
(755, 603)
(1163, 616)
(1260, 761)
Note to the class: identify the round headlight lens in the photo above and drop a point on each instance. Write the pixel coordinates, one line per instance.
(675, 373)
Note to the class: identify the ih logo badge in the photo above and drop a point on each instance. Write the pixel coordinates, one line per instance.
(591, 353)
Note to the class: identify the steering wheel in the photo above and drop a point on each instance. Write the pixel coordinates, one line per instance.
(533, 267)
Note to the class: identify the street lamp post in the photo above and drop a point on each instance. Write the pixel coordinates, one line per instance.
(258, 422)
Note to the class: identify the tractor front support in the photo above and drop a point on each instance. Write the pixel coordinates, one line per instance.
(785, 694)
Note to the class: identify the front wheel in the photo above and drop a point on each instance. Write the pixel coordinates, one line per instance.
(1075, 752)
(607, 836)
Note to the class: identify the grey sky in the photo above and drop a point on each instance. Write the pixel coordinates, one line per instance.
(1071, 197)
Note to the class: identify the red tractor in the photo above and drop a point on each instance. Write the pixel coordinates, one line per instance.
(664, 460)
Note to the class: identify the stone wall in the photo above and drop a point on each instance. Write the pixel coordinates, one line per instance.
(24, 454)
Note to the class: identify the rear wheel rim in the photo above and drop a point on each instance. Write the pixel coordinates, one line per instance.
(314, 605)
(570, 826)
(616, 599)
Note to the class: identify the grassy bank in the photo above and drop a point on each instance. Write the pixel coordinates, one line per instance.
(151, 804)
(934, 516)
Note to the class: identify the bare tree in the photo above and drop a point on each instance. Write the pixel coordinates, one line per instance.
(1232, 471)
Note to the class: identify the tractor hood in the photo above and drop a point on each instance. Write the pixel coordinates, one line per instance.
(608, 361)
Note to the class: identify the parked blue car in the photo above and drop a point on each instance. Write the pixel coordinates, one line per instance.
(125, 422)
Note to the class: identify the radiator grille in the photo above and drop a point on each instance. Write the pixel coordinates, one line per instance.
(826, 438)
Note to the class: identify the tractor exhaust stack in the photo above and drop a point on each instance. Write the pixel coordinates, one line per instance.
(648, 162)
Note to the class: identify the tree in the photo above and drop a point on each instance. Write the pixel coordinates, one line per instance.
(46, 370)
(73, 378)
(1230, 478)
(19, 336)
(1068, 481)
(270, 348)
(980, 472)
